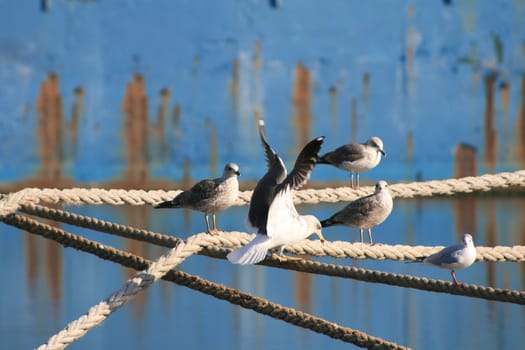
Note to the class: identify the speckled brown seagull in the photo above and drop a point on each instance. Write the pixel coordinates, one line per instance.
(209, 196)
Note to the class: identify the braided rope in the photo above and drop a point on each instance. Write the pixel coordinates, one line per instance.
(303, 265)
(336, 249)
(99, 312)
(95, 196)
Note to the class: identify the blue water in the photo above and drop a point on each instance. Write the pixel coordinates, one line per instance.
(45, 290)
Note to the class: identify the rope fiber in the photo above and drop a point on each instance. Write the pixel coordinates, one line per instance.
(28, 200)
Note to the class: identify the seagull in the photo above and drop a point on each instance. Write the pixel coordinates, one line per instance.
(209, 196)
(272, 214)
(365, 212)
(455, 257)
(356, 157)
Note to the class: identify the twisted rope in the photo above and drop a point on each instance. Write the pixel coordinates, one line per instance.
(303, 265)
(336, 249)
(78, 196)
(99, 312)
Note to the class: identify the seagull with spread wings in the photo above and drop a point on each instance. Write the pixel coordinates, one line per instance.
(272, 214)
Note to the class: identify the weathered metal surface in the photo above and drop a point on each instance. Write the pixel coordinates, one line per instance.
(121, 93)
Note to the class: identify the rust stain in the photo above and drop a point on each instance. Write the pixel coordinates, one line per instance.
(409, 151)
(520, 125)
(465, 161)
(160, 123)
(49, 109)
(333, 104)
(303, 291)
(490, 134)
(505, 96)
(366, 87)
(139, 217)
(257, 62)
(301, 103)
(353, 120)
(53, 269)
(31, 256)
(214, 145)
(491, 240)
(234, 85)
(135, 109)
(76, 113)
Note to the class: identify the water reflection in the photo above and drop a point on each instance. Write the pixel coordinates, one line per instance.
(60, 284)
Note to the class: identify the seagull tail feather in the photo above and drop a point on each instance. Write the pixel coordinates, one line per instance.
(251, 253)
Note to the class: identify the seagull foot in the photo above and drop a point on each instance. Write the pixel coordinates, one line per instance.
(284, 258)
(213, 232)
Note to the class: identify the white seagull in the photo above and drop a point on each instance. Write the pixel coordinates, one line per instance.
(455, 257)
(209, 196)
(356, 157)
(272, 213)
(365, 212)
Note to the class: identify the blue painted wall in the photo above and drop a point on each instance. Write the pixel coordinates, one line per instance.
(415, 71)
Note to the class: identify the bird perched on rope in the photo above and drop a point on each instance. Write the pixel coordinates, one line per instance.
(365, 212)
(272, 214)
(356, 157)
(209, 196)
(455, 257)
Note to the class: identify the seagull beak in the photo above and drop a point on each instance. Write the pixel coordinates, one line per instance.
(382, 152)
(238, 173)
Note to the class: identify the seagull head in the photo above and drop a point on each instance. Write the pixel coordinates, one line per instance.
(377, 143)
(231, 169)
(313, 225)
(467, 240)
(381, 186)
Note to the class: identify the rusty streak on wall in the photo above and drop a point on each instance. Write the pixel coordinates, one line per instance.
(490, 134)
(465, 163)
(301, 103)
(49, 109)
(159, 126)
(465, 159)
(135, 109)
(353, 120)
(520, 125)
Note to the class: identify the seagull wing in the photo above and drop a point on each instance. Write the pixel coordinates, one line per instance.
(265, 190)
(345, 153)
(304, 164)
(446, 256)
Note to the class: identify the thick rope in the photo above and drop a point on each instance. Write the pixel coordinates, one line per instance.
(304, 265)
(78, 196)
(336, 249)
(222, 292)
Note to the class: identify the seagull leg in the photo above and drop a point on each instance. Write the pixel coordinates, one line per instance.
(352, 179)
(211, 232)
(357, 179)
(361, 233)
(215, 230)
(281, 257)
(370, 236)
(454, 278)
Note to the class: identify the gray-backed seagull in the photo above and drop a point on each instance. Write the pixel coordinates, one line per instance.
(356, 157)
(365, 212)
